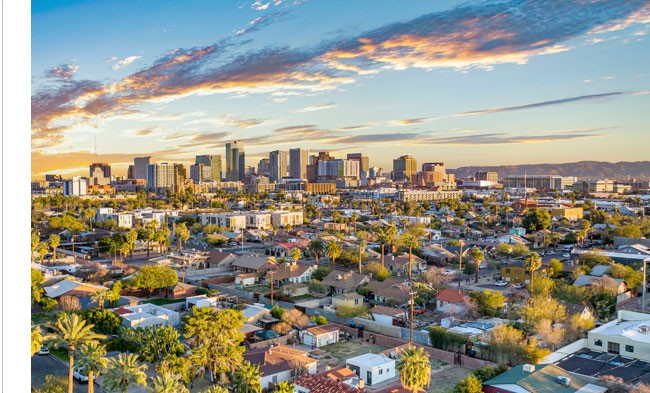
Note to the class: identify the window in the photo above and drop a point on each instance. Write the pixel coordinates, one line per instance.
(507, 271)
(598, 343)
(613, 348)
(629, 348)
(381, 371)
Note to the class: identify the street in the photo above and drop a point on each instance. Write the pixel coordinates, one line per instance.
(43, 365)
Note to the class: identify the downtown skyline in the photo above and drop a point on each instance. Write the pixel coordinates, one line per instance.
(471, 83)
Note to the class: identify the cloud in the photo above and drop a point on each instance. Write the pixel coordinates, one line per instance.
(418, 120)
(314, 108)
(259, 22)
(542, 104)
(145, 131)
(125, 61)
(229, 120)
(64, 71)
(110, 59)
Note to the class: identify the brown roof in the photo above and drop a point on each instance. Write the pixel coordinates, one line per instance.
(122, 311)
(383, 310)
(451, 296)
(391, 288)
(341, 373)
(322, 329)
(318, 383)
(217, 257)
(179, 286)
(272, 360)
(347, 280)
(254, 262)
(247, 275)
(284, 272)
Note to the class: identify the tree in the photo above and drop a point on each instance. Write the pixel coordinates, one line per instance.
(551, 334)
(316, 247)
(216, 389)
(69, 303)
(414, 369)
(477, 256)
(543, 286)
(410, 242)
(632, 278)
(41, 249)
(536, 220)
(489, 303)
(535, 309)
(378, 271)
(131, 237)
(295, 318)
(100, 297)
(91, 357)
(34, 244)
(167, 383)
(157, 344)
(469, 269)
(154, 277)
(123, 371)
(55, 240)
(591, 259)
(114, 296)
(333, 251)
(361, 245)
(36, 287)
(283, 387)
(125, 248)
(246, 378)
(149, 234)
(469, 384)
(556, 267)
(532, 263)
(320, 273)
(53, 384)
(36, 339)
(182, 234)
(162, 238)
(504, 250)
(71, 331)
(296, 254)
(104, 321)
(48, 303)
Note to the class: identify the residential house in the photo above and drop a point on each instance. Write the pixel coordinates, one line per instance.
(372, 368)
(386, 315)
(584, 310)
(254, 263)
(253, 313)
(450, 299)
(517, 273)
(179, 290)
(320, 383)
(398, 265)
(222, 259)
(615, 284)
(245, 279)
(351, 299)
(512, 239)
(438, 254)
(343, 282)
(290, 273)
(628, 335)
(296, 289)
(283, 249)
(55, 288)
(318, 336)
(548, 378)
(391, 290)
(147, 315)
(280, 363)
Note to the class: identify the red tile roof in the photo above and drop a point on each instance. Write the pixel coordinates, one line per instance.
(122, 311)
(451, 296)
(322, 384)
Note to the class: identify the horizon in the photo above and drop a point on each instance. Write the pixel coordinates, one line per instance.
(465, 83)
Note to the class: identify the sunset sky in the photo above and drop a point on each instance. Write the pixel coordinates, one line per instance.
(467, 83)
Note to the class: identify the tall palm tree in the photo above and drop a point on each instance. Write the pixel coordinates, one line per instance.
(246, 379)
(37, 339)
(131, 237)
(149, 235)
(124, 250)
(383, 239)
(392, 232)
(477, 256)
(167, 383)
(414, 369)
(316, 247)
(71, 331)
(354, 219)
(100, 297)
(283, 387)
(362, 244)
(411, 242)
(532, 263)
(34, 244)
(296, 254)
(333, 251)
(123, 371)
(41, 249)
(55, 240)
(92, 357)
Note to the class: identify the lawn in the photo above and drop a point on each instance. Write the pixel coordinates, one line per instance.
(444, 378)
(257, 288)
(161, 302)
(337, 354)
(61, 353)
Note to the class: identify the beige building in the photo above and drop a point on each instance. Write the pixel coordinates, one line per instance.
(404, 168)
(570, 213)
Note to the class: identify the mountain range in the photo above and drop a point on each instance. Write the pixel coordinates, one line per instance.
(582, 170)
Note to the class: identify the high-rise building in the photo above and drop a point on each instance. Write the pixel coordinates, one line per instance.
(298, 160)
(130, 173)
(263, 166)
(364, 161)
(433, 172)
(97, 176)
(213, 162)
(312, 168)
(180, 174)
(200, 172)
(161, 175)
(404, 168)
(338, 169)
(53, 177)
(76, 186)
(487, 176)
(235, 161)
(141, 164)
(277, 165)
(105, 168)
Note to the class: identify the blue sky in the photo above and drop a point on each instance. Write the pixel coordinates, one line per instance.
(467, 83)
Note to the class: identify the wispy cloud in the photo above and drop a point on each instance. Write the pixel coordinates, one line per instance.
(314, 108)
(418, 120)
(124, 62)
(64, 71)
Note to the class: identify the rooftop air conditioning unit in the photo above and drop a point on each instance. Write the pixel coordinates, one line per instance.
(566, 381)
(529, 368)
(644, 329)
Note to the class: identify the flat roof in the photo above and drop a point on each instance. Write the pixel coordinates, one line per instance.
(370, 360)
(596, 364)
(630, 330)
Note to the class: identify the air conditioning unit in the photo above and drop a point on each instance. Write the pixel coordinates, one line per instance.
(644, 329)
(566, 381)
(529, 368)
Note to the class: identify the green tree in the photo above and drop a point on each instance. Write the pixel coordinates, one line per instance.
(55, 240)
(296, 254)
(379, 272)
(489, 302)
(167, 383)
(591, 259)
(100, 296)
(556, 267)
(104, 321)
(477, 256)
(469, 269)
(216, 389)
(34, 244)
(36, 287)
(410, 242)
(333, 251)
(469, 384)
(632, 278)
(36, 339)
(283, 387)
(41, 249)
(182, 234)
(70, 331)
(153, 277)
(414, 369)
(535, 309)
(156, 344)
(246, 378)
(320, 273)
(536, 220)
(53, 384)
(543, 286)
(362, 243)
(122, 372)
(532, 263)
(131, 237)
(91, 356)
(316, 248)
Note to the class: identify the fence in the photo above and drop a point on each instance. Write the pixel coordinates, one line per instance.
(178, 306)
(267, 343)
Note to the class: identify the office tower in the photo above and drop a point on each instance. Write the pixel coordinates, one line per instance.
(200, 173)
(487, 176)
(180, 174)
(404, 168)
(338, 169)
(433, 172)
(364, 161)
(543, 182)
(141, 164)
(104, 167)
(97, 176)
(277, 165)
(312, 168)
(298, 160)
(213, 162)
(76, 186)
(130, 173)
(235, 161)
(53, 178)
(263, 166)
(161, 175)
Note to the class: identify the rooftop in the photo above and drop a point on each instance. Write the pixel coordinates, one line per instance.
(370, 360)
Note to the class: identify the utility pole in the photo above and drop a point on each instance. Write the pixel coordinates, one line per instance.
(271, 272)
(411, 292)
(645, 261)
(460, 265)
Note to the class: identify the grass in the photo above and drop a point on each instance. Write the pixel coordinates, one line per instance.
(348, 349)
(303, 297)
(443, 381)
(60, 353)
(42, 317)
(258, 288)
(161, 302)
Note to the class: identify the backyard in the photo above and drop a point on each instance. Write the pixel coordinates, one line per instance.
(336, 354)
(445, 376)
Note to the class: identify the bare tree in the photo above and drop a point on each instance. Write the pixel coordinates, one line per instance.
(69, 303)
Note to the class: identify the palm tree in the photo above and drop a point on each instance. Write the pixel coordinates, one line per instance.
(216, 389)
(283, 387)
(91, 356)
(100, 297)
(246, 379)
(131, 237)
(333, 251)
(411, 242)
(477, 256)
(89, 214)
(55, 240)
(391, 232)
(532, 263)
(37, 339)
(414, 369)
(122, 371)
(34, 244)
(383, 239)
(149, 235)
(71, 331)
(124, 250)
(316, 247)
(555, 239)
(354, 219)
(167, 383)
(362, 244)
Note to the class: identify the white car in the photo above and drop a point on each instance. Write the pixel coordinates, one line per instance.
(448, 272)
(43, 351)
(520, 286)
(566, 255)
(482, 266)
(81, 375)
(500, 283)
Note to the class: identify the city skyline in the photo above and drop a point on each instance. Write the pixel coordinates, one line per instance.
(463, 83)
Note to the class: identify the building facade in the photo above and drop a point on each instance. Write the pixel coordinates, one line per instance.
(404, 168)
(278, 160)
(298, 160)
(213, 162)
(140, 164)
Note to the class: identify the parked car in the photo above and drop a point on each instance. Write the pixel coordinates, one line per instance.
(81, 375)
(43, 351)
(448, 272)
(418, 310)
(566, 255)
(501, 283)
(520, 286)
(482, 266)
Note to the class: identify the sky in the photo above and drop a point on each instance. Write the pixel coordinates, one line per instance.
(465, 83)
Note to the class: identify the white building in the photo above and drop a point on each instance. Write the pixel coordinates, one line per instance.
(233, 221)
(145, 315)
(318, 336)
(284, 218)
(372, 368)
(77, 186)
(628, 336)
(423, 195)
(153, 215)
(123, 220)
(258, 220)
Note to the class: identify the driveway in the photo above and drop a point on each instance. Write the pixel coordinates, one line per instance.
(44, 365)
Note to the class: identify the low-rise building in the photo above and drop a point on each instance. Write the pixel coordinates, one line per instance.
(280, 363)
(350, 299)
(343, 282)
(147, 315)
(318, 336)
(517, 273)
(547, 378)
(570, 213)
(372, 368)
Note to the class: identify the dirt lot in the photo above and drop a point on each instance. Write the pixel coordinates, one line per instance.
(446, 377)
(336, 354)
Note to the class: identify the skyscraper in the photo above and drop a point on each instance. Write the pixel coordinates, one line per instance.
(364, 161)
(140, 164)
(277, 165)
(105, 168)
(263, 166)
(160, 175)
(298, 160)
(200, 172)
(404, 168)
(235, 161)
(213, 162)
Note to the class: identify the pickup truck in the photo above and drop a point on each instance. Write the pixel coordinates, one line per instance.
(81, 375)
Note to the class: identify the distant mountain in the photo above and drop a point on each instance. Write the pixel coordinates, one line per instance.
(581, 169)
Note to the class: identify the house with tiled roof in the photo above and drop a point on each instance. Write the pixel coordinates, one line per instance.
(450, 296)
(179, 290)
(69, 287)
(254, 263)
(342, 282)
(391, 290)
(320, 383)
(398, 264)
(280, 363)
(222, 259)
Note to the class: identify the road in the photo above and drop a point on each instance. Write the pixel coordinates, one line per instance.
(43, 365)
